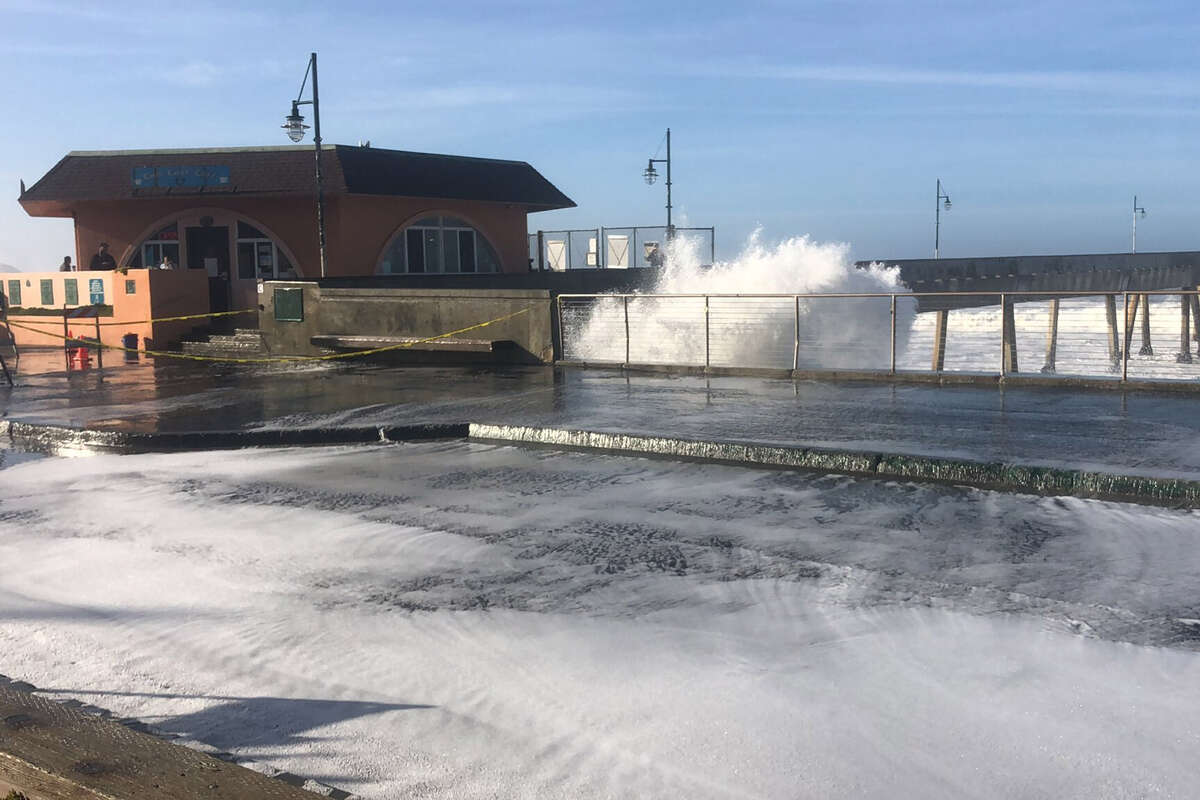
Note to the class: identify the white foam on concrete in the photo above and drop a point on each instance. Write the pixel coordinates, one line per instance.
(464, 621)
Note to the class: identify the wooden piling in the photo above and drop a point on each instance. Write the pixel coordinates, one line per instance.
(1010, 337)
(1184, 356)
(939, 340)
(1147, 347)
(1114, 338)
(1049, 367)
(1131, 310)
(1195, 301)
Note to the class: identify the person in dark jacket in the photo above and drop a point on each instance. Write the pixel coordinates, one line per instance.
(103, 259)
(66, 266)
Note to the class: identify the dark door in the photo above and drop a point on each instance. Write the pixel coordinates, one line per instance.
(208, 249)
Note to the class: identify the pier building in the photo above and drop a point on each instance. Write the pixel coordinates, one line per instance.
(246, 214)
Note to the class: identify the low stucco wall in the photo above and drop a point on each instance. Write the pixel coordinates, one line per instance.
(415, 313)
(135, 297)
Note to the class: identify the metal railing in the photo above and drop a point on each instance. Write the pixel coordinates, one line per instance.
(620, 247)
(1116, 336)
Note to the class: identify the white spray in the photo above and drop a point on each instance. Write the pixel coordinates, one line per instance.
(835, 333)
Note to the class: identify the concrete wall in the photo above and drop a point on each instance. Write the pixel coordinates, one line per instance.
(416, 313)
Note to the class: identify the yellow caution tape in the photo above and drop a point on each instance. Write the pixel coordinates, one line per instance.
(282, 359)
(58, 320)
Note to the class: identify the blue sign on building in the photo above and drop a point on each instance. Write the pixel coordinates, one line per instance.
(96, 290)
(191, 177)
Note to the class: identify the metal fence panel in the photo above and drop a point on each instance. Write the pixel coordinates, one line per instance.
(1151, 336)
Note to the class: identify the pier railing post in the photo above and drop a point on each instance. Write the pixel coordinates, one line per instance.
(892, 367)
(707, 347)
(796, 338)
(625, 298)
(562, 343)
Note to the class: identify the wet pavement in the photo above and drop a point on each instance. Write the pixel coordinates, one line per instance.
(1132, 432)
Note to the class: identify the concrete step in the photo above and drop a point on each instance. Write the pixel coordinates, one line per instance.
(222, 348)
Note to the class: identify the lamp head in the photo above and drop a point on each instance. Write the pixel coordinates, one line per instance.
(946, 205)
(294, 124)
(1142, 213)
(650, 174)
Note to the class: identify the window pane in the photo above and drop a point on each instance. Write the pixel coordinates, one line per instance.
(486, 257)
(466, 245)
(416, 251)
(433, 250)
(283, 267)
(455, 222)
(426, 222)
(250, 232)
(47, 292)
(450, 250)
(170, 233)
(14, 293)
(266, 260)
(245, 260)
(171, 251)
(71, 290)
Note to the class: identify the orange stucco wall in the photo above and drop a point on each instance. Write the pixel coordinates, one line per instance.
(155, 294)
(357, 226)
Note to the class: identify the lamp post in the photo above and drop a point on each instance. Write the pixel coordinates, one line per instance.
(937, 216)
(651, 175)
(1137, 210)
(295, 127)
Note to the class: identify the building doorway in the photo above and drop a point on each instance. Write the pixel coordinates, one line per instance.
(208, 249)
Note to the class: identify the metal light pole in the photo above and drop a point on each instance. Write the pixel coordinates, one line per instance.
(1136, 211)
(651, 175)
(295, 127)
(937, 216)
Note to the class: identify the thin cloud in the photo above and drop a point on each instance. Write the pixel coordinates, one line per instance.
(1143, 83)
(195, 74)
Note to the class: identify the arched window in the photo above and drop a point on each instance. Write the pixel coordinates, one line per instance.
(439, 244)
(258, 256)
(163, 242)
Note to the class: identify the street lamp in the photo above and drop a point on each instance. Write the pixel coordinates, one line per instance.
(937, 216)
(651, 175)
(1137, 211)
(295, 127)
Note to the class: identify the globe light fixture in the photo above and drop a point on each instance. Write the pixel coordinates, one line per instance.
(294, 124)
(650, 174)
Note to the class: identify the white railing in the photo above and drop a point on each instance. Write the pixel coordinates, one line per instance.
(1117, 336)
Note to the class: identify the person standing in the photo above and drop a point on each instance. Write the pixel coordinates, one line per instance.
(103, 259)
(66, 265)
(167, 263)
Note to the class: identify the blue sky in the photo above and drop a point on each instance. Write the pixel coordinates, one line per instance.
(828, 118)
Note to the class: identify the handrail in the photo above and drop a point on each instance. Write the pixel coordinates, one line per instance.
(789, 295)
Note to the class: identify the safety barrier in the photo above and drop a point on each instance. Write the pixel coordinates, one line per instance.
(67, 340)
(1112, 337)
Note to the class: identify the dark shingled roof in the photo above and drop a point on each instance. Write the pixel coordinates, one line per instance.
(107, 175)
